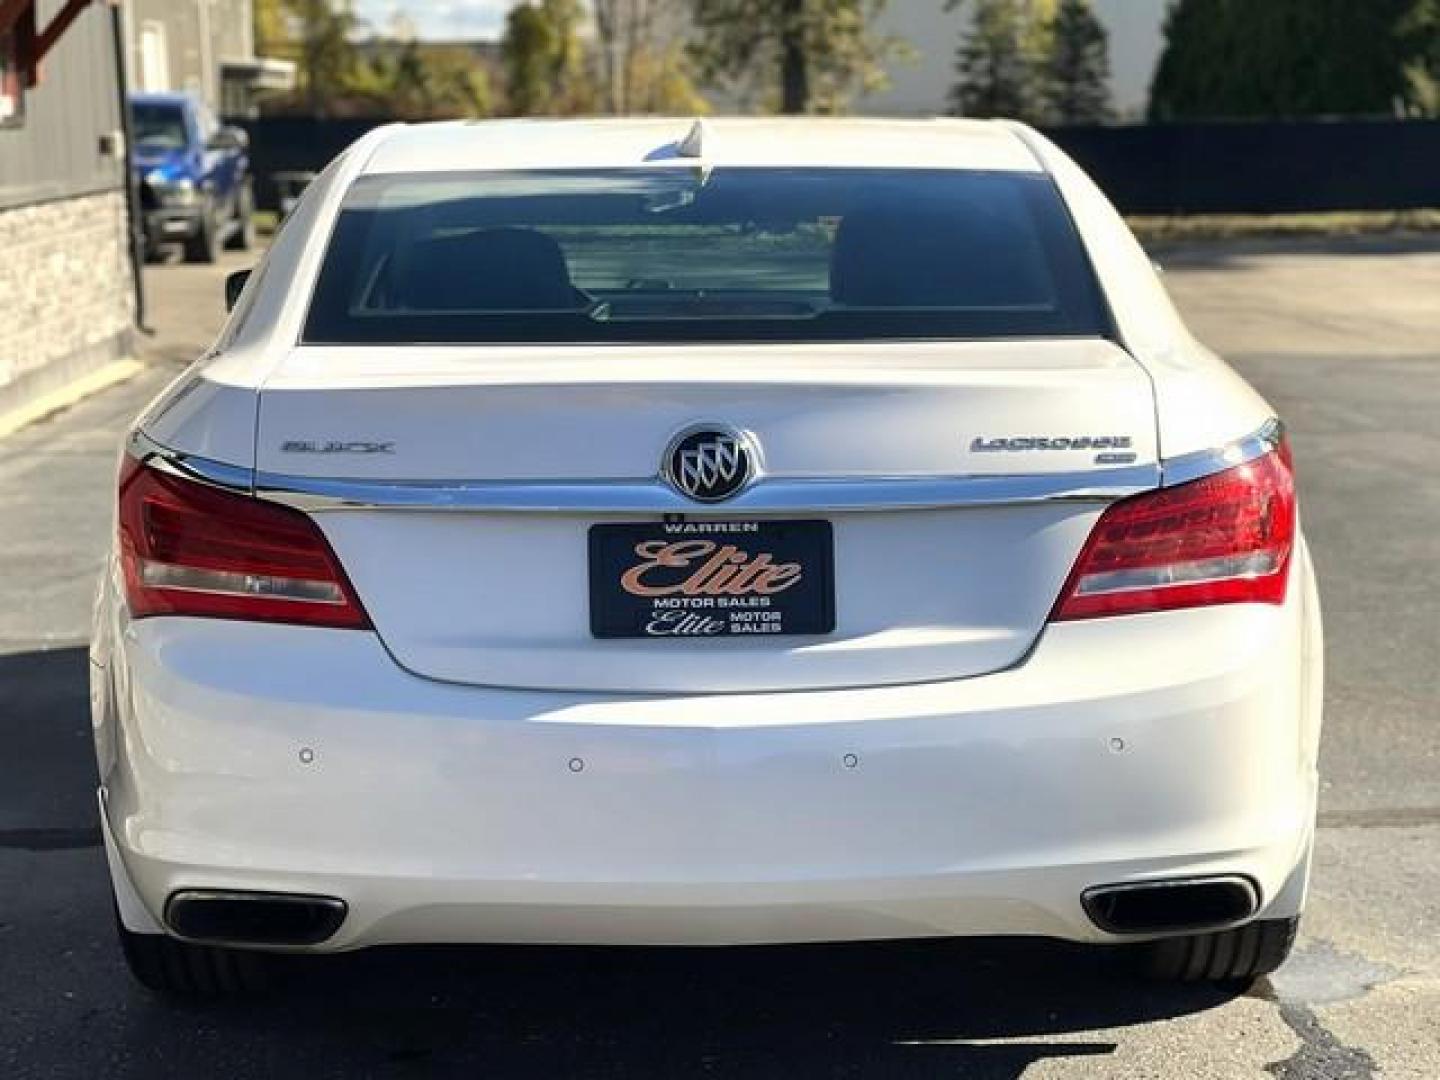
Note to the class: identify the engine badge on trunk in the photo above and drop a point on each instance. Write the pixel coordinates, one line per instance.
(711, 579)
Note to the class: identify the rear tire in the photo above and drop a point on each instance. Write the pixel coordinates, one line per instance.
(204, 246)
(1226, 956)
(243, 238)
(191, 972)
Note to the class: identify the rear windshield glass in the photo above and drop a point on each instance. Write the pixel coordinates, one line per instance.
(690, 254)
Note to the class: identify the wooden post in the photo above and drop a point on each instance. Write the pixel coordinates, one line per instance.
(30, 46)
(10, 12)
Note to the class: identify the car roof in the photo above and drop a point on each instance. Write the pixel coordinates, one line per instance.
(467, 145)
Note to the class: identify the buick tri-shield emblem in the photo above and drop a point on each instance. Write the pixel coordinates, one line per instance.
(710, 464)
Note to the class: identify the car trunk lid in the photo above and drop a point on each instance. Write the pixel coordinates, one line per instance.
(953, 483)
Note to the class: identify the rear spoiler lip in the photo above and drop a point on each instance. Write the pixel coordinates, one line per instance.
(651, 495)
(1201, 463)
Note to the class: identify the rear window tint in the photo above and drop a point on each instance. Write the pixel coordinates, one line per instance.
(681, 253)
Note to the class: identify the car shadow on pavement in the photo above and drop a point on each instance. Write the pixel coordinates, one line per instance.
(984, 1008)
(977, 1009)
(47, 765)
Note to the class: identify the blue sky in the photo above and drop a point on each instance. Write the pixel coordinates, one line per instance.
(438, 18)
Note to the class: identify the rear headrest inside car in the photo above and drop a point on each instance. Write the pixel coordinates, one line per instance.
(489, 270)
(948, 255)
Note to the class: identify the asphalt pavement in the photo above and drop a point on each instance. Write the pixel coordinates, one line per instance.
(1343, 337)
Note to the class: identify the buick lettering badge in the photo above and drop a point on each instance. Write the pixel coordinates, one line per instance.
(710, 464)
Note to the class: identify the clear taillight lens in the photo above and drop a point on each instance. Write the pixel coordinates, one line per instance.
(189, 549)
(1223, 539)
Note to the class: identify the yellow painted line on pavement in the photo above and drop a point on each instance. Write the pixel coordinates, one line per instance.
(49, 404)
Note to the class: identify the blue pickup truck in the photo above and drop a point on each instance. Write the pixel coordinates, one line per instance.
(196, 188)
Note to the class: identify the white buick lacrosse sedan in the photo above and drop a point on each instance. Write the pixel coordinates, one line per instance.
(738, 532)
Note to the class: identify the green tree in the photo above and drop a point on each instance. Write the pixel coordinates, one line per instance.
(432, 82)
(1420, 34)
(317, 36)
(526, 51)
(327, 58)
(272, 28)
(396, 76)
(810, 55)
(459, 84)
(543, 59)
(1283, 58)
(1075, 75)
(996, 65)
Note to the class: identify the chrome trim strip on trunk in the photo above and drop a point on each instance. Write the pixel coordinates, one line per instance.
(650, 495)
(218, 474)
(1201, 463)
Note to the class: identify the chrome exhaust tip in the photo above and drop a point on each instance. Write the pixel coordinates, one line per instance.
(1170, 905)
(218, 917)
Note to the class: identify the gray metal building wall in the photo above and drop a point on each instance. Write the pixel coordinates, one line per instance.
(193, 59)
(66, 280)
(56, 151)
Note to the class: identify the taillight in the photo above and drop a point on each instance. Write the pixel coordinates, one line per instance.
(190, 549)
(1223, 539)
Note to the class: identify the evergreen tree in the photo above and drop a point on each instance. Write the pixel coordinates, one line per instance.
(1283, 58)
(543, 59)
(1421, 43)
(526, 51)
(995, 67)
(1076, 71)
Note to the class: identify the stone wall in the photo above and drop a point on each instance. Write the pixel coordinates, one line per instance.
(66, 293)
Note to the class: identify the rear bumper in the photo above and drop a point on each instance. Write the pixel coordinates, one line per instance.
(245, 757)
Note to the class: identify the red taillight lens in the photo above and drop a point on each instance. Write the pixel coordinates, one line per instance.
(189, 549)
(1223, 539)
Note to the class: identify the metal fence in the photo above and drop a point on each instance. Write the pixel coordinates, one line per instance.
(286, 144)
(1270, 167)
(1242, 167)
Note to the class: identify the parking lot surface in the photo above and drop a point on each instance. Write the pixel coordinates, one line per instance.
(1344, 339)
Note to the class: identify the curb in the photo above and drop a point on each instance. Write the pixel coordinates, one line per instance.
(111, 374)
